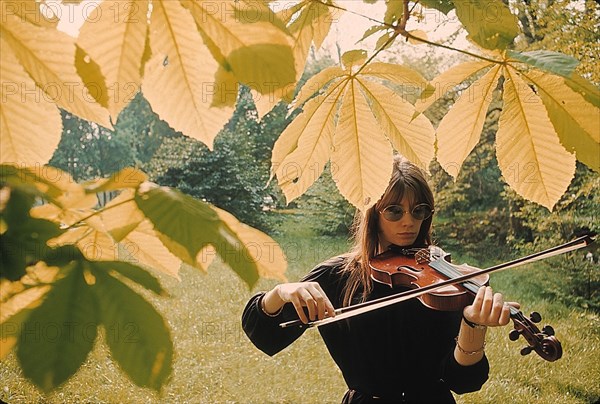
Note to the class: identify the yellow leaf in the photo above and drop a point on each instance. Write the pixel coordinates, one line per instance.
(12, 313)
(114, 37)
(576, 121)
(316, 84)
(122, 215)
(418, 34)
(412, 138)
(530, 156)
(91, 238)
(589, 91)
(447, 81)
(316, 19)
(361, 162)
(6, 345)
(460, 129)
(303, 166)
(397, 74)
(257, 51)
(143, 247)
(30, 297)
(30, 125)
(129, 177)
(30, 11)
(263, 250)
(48, 56)
(288, 141)
(179, 80)
(311, 24)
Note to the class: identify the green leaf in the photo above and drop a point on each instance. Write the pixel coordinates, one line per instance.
(187, 221)
(58, 335)
(441, 5)
(373, 30)
(136, 333)
(134, 273)
(187, 225)
(553, 62)
(26, 238)
(393, 11)
(264, 67)
(46, 182)
(354, 58)
(489, 22)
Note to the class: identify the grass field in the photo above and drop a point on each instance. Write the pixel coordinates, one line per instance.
(215, 362)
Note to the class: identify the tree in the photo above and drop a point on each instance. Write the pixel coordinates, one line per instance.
(188, 58)
(87, 150)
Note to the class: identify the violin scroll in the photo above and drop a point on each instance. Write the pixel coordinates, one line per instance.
(543, 342)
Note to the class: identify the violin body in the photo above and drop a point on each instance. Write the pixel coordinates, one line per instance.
(411, 269)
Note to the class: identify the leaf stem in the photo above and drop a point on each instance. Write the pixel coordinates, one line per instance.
(400, 29)
(97, 212)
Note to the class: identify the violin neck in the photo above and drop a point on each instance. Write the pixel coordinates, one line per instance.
(448, 270)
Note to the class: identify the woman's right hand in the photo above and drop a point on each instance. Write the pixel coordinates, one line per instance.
(300, 294)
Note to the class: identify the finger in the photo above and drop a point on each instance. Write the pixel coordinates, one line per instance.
(497, 307)
(299, 309)
(478, 301)
(309, 302)
(486, 305)
(318, 298)
(514, 304)
(325, 308)
(504, 315)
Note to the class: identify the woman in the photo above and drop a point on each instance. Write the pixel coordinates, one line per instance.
(405, 352)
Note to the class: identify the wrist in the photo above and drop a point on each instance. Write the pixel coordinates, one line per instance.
(476, 351)
(271, 304)
(472, 324)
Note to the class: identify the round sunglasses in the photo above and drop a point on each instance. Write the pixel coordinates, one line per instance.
(393, 213)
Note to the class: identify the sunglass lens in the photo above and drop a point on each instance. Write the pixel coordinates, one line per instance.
(393, 213)
(422, 212)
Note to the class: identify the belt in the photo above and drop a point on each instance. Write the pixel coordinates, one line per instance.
(357, 397)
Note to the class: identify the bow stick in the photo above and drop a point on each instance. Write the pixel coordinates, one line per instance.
(365, 307)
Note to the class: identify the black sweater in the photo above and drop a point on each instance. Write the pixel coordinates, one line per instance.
(402, 350)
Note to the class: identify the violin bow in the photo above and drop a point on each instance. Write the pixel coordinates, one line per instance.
(365, 307)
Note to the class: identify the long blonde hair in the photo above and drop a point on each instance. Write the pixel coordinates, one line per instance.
(406, 178)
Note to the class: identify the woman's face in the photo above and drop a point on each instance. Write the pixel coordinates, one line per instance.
(403, 232)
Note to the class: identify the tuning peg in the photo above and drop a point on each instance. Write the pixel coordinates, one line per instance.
(526, 351)
(535, 317)
(514, 335)
(548, 330)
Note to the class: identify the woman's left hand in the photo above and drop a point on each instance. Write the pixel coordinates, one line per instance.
(489, 308)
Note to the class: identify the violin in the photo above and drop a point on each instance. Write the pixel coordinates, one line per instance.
(409, 268)
(433, 276)
(415, 268)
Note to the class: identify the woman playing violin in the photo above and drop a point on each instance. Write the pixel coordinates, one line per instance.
(405, 352)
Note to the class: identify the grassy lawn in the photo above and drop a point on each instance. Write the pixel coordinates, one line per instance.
(215, 362)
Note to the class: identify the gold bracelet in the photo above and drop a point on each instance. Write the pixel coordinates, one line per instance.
(480, 350)
(262, 307)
